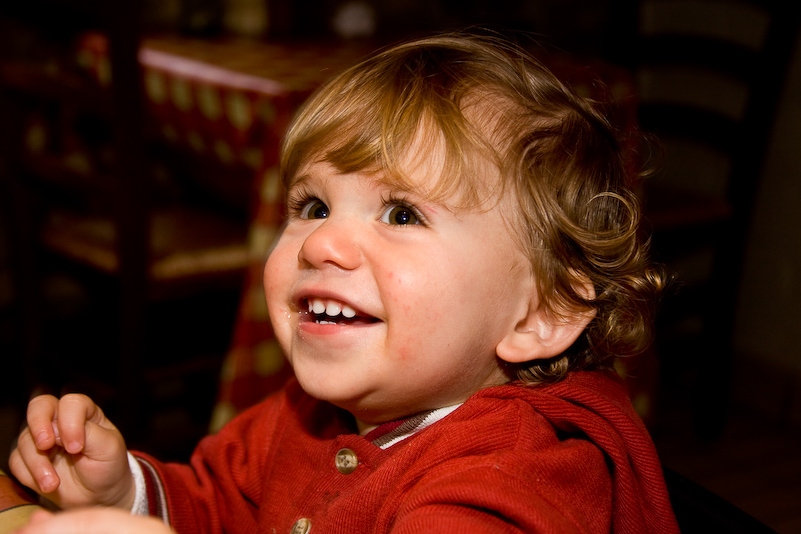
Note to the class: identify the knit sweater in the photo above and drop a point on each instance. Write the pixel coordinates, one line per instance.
(567, 457)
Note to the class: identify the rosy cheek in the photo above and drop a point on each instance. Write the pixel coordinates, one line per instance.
(404, 353)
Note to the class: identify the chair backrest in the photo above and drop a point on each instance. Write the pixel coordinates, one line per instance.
(711, 73)
(710, 77)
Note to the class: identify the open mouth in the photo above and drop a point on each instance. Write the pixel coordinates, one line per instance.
(327, 311)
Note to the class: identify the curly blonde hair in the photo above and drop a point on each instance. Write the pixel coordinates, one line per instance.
(485, 99)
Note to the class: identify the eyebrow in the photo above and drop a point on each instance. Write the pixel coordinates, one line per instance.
(297, 180)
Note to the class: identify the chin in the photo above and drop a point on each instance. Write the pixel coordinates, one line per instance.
(323, 387)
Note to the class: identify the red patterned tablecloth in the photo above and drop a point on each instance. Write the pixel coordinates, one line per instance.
(232, 98)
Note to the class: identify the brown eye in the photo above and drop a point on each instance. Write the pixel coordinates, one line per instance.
(314, 209)
(400, 215)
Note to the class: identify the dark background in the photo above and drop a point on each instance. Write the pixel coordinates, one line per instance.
(754, 461)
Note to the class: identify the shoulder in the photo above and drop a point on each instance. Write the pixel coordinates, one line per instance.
(531, 428)
(577, 444)
(556, 434)
(583, 402)
(527, 431)
(569, 404)
(499, 453)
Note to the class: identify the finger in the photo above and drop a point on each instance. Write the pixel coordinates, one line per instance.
(74, 411)
(20, 470)
(41, 414)
(33, 467)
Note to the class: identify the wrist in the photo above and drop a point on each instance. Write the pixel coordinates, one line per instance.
(124, 493)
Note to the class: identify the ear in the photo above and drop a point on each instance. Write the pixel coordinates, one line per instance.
(541, 334)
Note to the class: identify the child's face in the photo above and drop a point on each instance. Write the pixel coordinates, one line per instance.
(417, 296)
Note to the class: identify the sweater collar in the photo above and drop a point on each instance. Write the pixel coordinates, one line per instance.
(392, 432)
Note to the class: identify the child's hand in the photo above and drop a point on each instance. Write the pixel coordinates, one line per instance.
(73, 455)
(93, 521)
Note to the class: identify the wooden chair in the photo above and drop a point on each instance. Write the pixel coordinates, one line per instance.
(710, 76)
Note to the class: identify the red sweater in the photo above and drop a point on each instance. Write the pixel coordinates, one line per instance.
(568, 457)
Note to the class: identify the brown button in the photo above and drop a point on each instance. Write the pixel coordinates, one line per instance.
(301, 526)
(346, 461)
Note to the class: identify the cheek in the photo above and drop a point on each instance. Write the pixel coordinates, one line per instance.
(420, 306)
(277, 287)
(277, 277)
(413, 292)
(270, 276)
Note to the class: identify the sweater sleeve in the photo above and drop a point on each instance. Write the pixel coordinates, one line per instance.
(222, 482)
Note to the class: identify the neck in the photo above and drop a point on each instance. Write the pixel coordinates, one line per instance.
(364, 427)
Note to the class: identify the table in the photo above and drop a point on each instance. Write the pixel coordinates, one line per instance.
(16, 505)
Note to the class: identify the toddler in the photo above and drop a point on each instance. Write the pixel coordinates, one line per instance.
(459, 270)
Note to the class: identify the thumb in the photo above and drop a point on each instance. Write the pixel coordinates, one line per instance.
(103, 443)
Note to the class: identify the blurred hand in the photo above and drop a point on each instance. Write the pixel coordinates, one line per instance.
(93, 521)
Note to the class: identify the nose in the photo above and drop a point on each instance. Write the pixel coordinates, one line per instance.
(333, 243)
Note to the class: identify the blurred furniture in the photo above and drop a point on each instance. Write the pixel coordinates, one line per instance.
(36, 80)
(134, 159)
(710, 78)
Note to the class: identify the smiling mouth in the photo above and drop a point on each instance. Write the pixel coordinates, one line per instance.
(327, 311)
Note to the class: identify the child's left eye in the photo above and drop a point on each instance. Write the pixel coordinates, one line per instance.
(400, 215)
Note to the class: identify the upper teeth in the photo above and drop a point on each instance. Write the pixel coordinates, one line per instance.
(331, 308)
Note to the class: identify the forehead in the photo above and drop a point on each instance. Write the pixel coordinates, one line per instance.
(428, 164)
(420, 177)
(395, 122)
